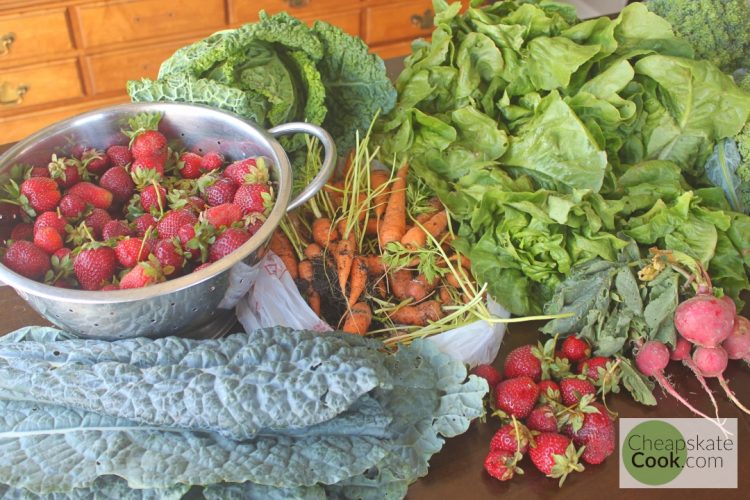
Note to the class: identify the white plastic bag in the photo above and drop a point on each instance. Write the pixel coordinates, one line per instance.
(273, 299)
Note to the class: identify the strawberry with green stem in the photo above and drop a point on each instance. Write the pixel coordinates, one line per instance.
(145, 273)
(66, 171)
(95, 263)
(555, 456)
(61, 268)
(26, 259)
(147, 145)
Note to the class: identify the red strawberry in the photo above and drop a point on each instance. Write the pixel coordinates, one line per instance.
(185, 234)
(516, 396)
(223, 215)
(554, 455)
(9, 216)
(48, 239)
(42, 192)
(502, 464)
(597, 434)
(27, 259)
(590, 367)
(95, 161)
(168, 226)
(92, 194)
(130, 251)
(489, 373)
(153, 198)
(253, 225)
(22, 231)
(115, 229)
(252, 197)
(142, 224)
(511, 438)
(212, 161)
(147, 164)
(549, 391)
(117, 180)
(50, 219)
(239, 169)
(227, 242)
(64, 171)
(77, 150)
(522, 361)
(143, 274)
(72, 206)
(96, 221)
(169, 256)
(220, 192)
(190, 165)
(61, 253)
(542, 418)
(573, 389)
(575, 349)
(119, 155)
(150, 144)
(196, 204)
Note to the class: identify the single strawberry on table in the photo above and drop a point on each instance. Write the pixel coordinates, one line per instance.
(542, 419)
(572, 389)
(517, 396)
(575, 349)
(513, 437)
(590, 367)
(502, 465)
(597, 434)
(522, 361)
(555, 456)
(489, 373)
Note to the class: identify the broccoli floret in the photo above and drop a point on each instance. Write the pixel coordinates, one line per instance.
(717, 29)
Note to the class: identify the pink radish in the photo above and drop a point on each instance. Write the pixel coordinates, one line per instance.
(712, 362)
(704, 320)
(737, 344)
(651, 360)
(681, 350)
(728, 301)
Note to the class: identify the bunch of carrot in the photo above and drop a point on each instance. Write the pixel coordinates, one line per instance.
(364, 253)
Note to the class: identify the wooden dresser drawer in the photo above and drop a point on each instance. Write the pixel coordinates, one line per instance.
(112, 70)
(347, 21)
(45, 83)
(24, 37)
(244, 11)
(408, 20)
(119, 22)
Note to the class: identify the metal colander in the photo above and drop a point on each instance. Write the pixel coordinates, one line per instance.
(188, 305)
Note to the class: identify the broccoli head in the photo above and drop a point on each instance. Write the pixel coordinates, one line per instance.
(717, 29)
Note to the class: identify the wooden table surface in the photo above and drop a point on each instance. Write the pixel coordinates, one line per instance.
(457, 473)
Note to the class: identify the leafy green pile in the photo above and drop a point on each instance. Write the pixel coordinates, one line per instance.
(272, 414)
(556, 141)
(279, 70)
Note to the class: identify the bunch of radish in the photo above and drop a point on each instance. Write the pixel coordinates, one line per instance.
(710, 334)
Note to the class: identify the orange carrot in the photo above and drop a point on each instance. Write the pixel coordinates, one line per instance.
(419, 288)
(418, 315)
(374, 264)
(371, 229)
(358, 319)
(306, 270)
(281, 246)
(344, 256)
(357, 281)
(380, 288)
(313, 251)
(452, 280)
(416, 237)
(465, 262)
(313, 298)
(400, 283)
(445, 295)
(394, 219)
(379, 178)
(323, 233)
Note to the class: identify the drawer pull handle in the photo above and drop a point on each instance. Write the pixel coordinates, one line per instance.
(21, 91)
(425, 21)
(5, 42)
(296, 4)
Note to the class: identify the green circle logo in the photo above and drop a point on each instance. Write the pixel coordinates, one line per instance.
(654, 452)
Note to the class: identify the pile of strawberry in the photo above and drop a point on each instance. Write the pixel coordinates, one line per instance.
(548, 411)
(131, 216)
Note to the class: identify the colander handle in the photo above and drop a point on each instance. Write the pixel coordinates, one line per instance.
(329, 157)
